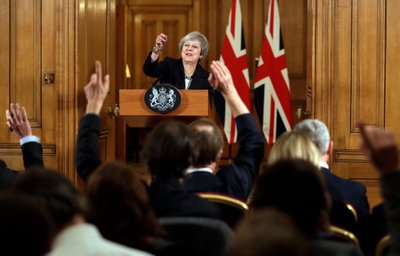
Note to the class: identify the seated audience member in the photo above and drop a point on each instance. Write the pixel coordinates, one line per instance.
(18, 122)
(297, 188)
(119, 206)
(73, 236)
(168, 152)
(295, 145)
(25, 227)
(340, 189)
(269, 232)
(235, 179)
(383, 152)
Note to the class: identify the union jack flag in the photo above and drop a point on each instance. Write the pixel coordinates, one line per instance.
(234, 56)
(271, 84)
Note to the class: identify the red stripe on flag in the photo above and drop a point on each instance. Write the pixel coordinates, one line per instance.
(235, 59)
(272, 67)
(236, 65)
(233, 17)
(272, 120)
(271, 18)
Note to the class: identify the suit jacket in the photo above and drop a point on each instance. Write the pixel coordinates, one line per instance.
(87, 147)
(32, 155)
(354, 193)
(167, 196)
(170, 200)
(347, 190)
(171, 71)
(235, 179)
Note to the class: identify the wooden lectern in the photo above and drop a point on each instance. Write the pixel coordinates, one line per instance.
(194, 103)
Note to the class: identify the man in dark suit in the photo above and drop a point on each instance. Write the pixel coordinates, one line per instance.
(18, 122)
(235, 179)
(340, 189)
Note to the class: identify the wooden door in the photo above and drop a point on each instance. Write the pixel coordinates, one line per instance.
(354, 60)
(28, 49)
(61, 38)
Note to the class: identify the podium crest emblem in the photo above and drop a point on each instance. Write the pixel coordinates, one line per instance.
(162, 98)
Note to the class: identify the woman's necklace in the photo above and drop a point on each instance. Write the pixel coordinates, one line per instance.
(188, 78)
(188, 72)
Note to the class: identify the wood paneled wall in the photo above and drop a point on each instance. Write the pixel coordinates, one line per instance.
(64, 38)
(355, 78)
(28, 51)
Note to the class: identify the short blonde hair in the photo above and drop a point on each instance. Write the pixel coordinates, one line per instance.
(294, 145)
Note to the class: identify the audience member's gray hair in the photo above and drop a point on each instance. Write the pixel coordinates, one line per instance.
(196, 36)
(317, 132)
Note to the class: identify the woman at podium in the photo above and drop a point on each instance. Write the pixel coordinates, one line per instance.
(185, 72)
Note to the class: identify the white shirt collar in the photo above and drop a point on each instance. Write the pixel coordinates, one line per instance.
(323, 164)
(203, 169)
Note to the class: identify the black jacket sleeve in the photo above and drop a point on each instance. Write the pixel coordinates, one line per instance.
(154, 69)
(33, 156)
(6, 175)
(32, 153)
(238, 177)
(87, 148)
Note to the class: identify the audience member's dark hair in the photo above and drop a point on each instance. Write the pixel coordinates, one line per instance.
(168, 150)
(297, 188)
(119, 206)
(208, 140)
(268, 232)
(25, 228)
(54, 192)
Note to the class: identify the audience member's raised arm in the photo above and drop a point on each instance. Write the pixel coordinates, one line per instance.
(96, 90)
(382, 150)
(17, 121)
(87, 150)
(221, 80)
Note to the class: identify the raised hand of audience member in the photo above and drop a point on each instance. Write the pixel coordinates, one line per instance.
(17, 120)
(381, 148)
(221, 80)
(96, 90)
